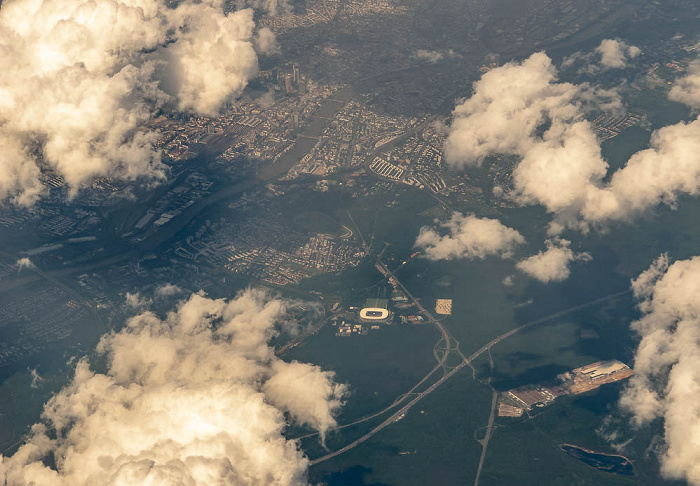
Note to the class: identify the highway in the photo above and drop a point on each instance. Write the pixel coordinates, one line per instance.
(489, 426)
(396, 416)
(446, 336)
(487, 436)
(568, 310)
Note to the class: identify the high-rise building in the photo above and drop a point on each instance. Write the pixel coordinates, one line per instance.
(288, 87)
(277, 76)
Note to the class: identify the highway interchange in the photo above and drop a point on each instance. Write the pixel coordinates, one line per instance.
(451, 345)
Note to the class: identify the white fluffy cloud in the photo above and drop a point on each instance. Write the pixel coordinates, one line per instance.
(553, 264)
(468, 237)
(666, 383)
(136, 301)
(610, 54)
(562, 168)
(213, 59)
(614, 53)
(197, 398)
(23, 263)
(686, 90)
(503, 115)
(655, 175)
(167, 290)
(37, 379)
(432, 57)
(78, 78)
(266, 42)
(507, 106)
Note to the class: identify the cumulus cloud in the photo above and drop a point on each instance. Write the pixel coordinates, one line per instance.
(78, 82)
(37, 379)
(667, 362)
(167, 290)
(655, 175)
(614, 53)
(195, 398)
(610, 54)
(213, 59)
(136, 301)
(23, 263)
(508, 104)
(686, 90)
(468, 237)
(521, 109)
(266, 42)
(552, 265)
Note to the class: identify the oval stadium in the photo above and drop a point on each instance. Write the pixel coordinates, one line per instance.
(374, 314)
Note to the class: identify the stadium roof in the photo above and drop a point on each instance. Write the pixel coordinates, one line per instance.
(374, 314)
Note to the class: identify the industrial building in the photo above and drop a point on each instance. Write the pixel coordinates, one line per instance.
(592, 376)
(600, 368)
(574, 382)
